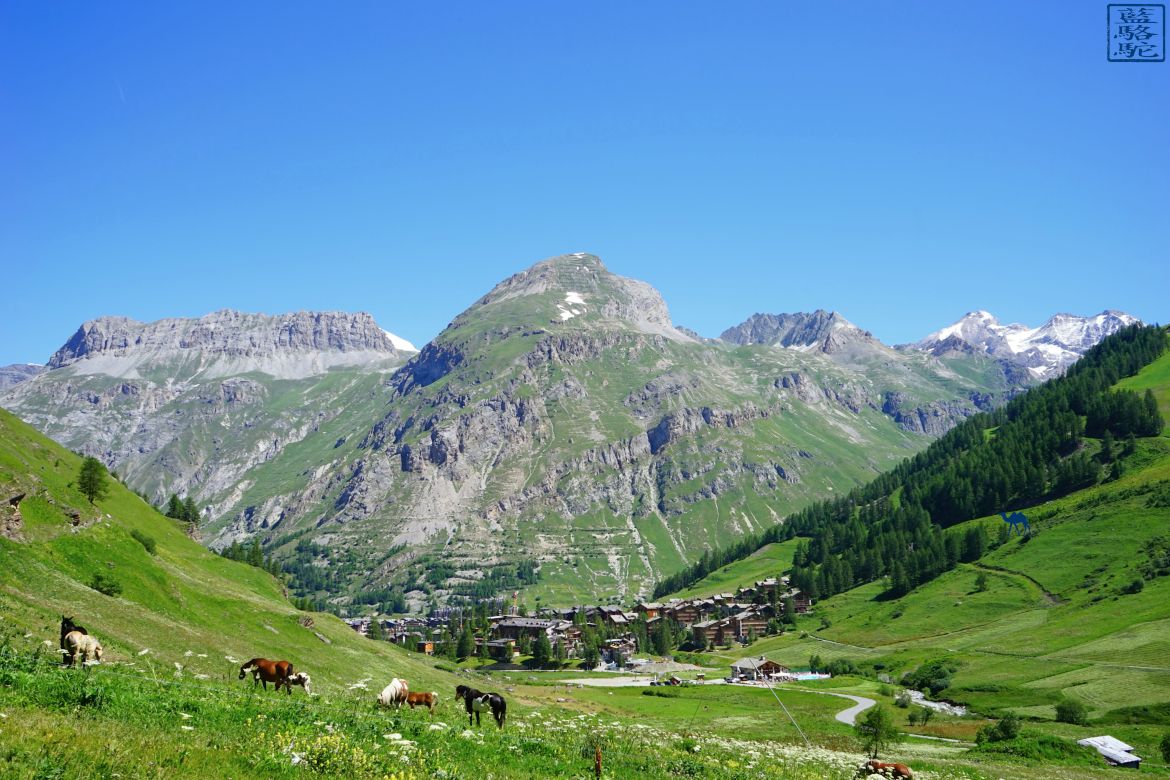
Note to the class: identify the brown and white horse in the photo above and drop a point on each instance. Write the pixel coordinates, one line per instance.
(889, 770)
(394, 694)
(265, 671)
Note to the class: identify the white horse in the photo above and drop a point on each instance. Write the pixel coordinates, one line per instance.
(84, 645)
(303, 680)
(394, 694)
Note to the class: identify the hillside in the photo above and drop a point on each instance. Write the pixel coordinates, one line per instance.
(183, 604)
(1079, 610)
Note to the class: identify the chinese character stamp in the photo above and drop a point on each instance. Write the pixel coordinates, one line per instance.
(1136, 32)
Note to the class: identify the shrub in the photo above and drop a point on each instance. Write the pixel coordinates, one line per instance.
(1070, 711)
(1044, 748)
(1164, 746)
(903, 699)
(1007, 728)
(105, 583)
(146, 541)
(1134, 587)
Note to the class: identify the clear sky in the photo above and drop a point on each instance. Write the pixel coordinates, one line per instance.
(901, 162)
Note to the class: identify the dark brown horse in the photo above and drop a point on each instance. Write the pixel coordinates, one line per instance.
(265, 671)
(477, 701)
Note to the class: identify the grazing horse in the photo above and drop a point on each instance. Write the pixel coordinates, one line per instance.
(477, 701)
(394, 694)
(265, 671)
(84, 645)
(894, 770)
(428, 700)
(303, 680)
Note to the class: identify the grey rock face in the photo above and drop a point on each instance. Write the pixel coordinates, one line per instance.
(227, 343)
(195, 406)
(19, 372)
(824, 331)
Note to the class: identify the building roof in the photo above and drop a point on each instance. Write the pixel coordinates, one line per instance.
(527, 622)
(754, 663)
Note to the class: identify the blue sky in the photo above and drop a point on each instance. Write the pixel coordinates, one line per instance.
(900, 162)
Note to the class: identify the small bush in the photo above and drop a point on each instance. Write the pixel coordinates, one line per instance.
(1134, 587)
(1070, 711)
(1008, 728)
(666, 693)
(105, 583)
(146, 541)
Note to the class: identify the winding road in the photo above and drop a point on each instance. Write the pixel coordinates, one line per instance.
(847, 716)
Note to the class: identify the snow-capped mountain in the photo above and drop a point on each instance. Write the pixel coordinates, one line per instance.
(1045, 351)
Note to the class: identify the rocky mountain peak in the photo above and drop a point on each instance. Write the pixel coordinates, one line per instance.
(229, 342)
(1044, 351)
(577, 290)
(819, 331)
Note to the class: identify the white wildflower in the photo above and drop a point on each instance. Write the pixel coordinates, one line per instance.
(432, 727)
(203, 677)
(230, 659)
(47, 643)
(297, 758)
(187, 728)
(468, 734)
(90, 662)
(184, 715)
(395, 735)
(189, 653)
(144, 651)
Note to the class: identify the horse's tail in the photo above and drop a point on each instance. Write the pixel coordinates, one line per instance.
(503, 711)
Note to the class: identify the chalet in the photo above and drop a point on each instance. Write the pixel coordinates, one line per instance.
(1114, 751)
(518, 627)
(360, 625)
(500, 649)
(749, 622)
(691, 612)
(801, 602)
(648, 610)
(615, 616)
(711, 631)
(621, 648)
(758, 669)
(425, 646)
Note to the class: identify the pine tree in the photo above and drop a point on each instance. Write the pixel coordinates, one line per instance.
(542, 650)
(190, 511)
(375, 631)
(466, 644)
(91, 479)
(174, 507)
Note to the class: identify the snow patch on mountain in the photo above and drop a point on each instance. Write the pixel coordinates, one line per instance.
(1045, 350)
(399, 342)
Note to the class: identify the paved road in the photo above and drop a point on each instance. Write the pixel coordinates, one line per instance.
(849, 715)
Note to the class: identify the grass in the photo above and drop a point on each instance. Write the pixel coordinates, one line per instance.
(769, 561)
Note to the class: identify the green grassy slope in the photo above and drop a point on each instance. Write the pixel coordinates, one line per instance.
(770, 560)
(1058, 619)
(184, 604)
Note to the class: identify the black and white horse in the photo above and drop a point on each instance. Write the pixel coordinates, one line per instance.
(477, 702)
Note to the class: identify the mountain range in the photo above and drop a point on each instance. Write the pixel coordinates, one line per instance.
(562, 419)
